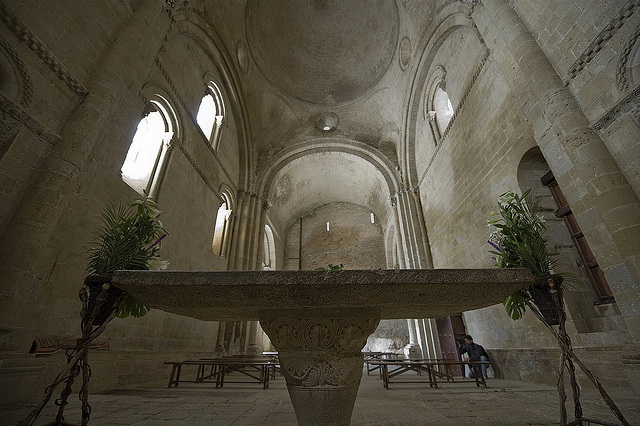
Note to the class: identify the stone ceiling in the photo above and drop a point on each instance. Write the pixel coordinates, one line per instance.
(322, 51)
(300, 60)
(326, 177)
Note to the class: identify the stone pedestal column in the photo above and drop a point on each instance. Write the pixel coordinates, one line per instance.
(252, 347)
(321, 359)
(412, 350)
(222, 327)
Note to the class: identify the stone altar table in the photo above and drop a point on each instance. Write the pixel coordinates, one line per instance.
(320, 320)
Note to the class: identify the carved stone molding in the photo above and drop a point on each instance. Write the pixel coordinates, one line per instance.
(175, 4)
(596, 45)
(312, 373)
(12, 113)
(455, 115)
(49, 346)
(195, 166)
(472, 5)
(245, 196)
(41, 50)
(622, 72)
(627, 105)
(346, 334)
(174, 90)
(26, 92)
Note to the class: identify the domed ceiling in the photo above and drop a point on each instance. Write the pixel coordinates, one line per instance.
(322, 51)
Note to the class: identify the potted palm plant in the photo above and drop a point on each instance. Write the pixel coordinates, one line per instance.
(520, 241)
(129, 239)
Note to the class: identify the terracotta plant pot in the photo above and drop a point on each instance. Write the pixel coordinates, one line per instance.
(543, 298)
(105, 309)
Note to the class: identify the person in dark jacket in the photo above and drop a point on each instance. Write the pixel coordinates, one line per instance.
(476, 353)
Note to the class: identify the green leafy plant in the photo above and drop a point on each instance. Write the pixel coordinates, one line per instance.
(129, 238)
(520, 241)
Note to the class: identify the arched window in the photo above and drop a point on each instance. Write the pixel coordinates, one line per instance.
(443, 108)
(222, 230)
(269, 257)
(438, 108)
(145, 160)
(211, 114)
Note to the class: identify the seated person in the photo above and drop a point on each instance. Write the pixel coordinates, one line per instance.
(475, 352)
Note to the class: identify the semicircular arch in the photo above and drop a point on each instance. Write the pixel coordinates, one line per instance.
(210, 42)
(318, 172)
(450, 19)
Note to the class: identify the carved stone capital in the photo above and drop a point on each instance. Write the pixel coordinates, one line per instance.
(321, 360)
(341, 334)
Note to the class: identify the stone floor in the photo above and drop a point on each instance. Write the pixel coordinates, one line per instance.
(507, 403)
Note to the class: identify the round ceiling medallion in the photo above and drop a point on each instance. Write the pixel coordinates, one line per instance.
(322, 51)
(327, 121)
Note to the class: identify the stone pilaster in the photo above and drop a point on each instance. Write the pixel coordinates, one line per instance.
(412, 350)
(411, 227)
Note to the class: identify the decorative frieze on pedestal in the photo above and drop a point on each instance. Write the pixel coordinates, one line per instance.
(321, 361)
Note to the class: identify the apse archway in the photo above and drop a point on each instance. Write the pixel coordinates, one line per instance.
(319, 172)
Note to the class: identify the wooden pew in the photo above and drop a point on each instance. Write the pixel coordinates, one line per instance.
(429, 367)
(218, 368)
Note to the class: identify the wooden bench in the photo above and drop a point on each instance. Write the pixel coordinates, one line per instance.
(176, 370)
(376, 356)
(217, 368)
(431, 368)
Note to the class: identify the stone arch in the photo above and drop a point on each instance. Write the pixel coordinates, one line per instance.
(158, 101)
(432, 110)
(531, 170)
(351, 146)
(154, 91)
(217, 97)
(628, 75)
(210, 42)
(449, 20)
(385, 180)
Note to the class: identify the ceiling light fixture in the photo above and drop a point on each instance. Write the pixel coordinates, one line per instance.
(327, 121)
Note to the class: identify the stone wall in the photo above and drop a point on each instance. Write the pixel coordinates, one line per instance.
(355, 242)
(352, 240)
(461, 175)
(60, 184)
(533, 84)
